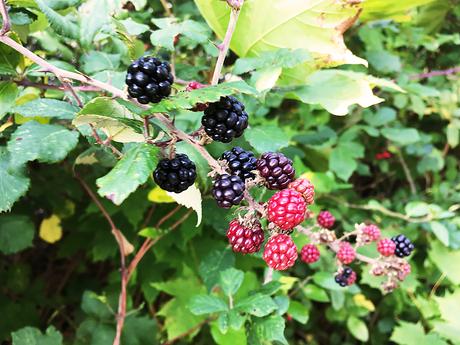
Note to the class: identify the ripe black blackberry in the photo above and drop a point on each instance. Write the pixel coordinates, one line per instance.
(276, 169)
(404, 246)
(240, 162)
(149, 79)
(175, 175)
(228, 190)
(225, 119)
(345, 277)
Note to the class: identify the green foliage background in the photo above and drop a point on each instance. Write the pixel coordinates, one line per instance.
(299, 75)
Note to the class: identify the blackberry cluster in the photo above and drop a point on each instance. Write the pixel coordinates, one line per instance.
(225, 119)
(228, 190)
(175, 175)
(404, 246)
(149, 80)
(346, 277)
(240, 162)
(276, 169)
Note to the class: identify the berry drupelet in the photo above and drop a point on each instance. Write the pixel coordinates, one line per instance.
(240, 162)
(175, 175)
(228, 190)
(404, 246)
(244, 239)
(225, 119)
(149, 80)
(276, 169)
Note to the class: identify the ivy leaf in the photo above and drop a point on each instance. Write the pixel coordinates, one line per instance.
(215, 262)
(171, 27)
(257, 305)
(231, 280)
(46, 143)
(130, 172)
(33, 336)
(268, 330)
(402, 136)
(16, 233)
(358, 328)
(188, 99)
(8, 94)
(207, 304)
(343, 159)
(45, 107)
(117, 122)
(13, 182)
(257, 137)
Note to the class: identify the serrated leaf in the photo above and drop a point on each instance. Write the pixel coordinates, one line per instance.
(16, 233)
(13, 182)
(60, 24)
(42, 142)
(45, 107)
(358, 328)
(130, 172)
(446, 260)
(268, 330)
(231, 280)
(188, 99)
(33, 336)
(190, 198)
(8, 93)
(257, 305)
(118, 123)
(51, 229)
(407, 333)
(207, 304)
(257, 137)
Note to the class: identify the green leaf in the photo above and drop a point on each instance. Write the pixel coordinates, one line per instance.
(446, 260)
(139, 330)
(13, 182)
(114, 119)
(402, 136)
(453, 134)
(134, 28)
(298, 311)
(207, 304)
(449, 308)
(8, 93)
(413, 334)
(383, 116)
(384, 61)
(235, 319)
(33, 336)
(45, 107)
(94, 14)
(188, 99)
(343, 159)
(16, 233)
(417, 209)
(285, 58)
(96, 61)
(358, 328)
(286, 26)
(45, 143)
(231, 337)
(222, 322)
(315, 293)
(9, 58)
(130, 172)
(441, 232)
(95, 305)
(383, 9)
(231, 280)
(60, 24)
(214, 263)
(170, 28)
(434, 161)
(257, 137)
(152, 233)
(348, 88)
(257, 305)
(268, 330)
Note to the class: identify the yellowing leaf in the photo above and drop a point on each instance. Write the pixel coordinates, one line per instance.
(50, 229)
(159, 196)
(361, 301)
(288, 282)
(191, 198)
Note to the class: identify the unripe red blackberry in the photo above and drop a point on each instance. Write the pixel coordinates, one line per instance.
(228, 190)
(280, 252)
(245, 239)
(175, 175)
(309, 253)
(404, 271)
(371, 233)
(346, 253)
(325, 219)
(225, 119)
(276, 169)
(286, 209)
(149, 80)
(240, 162)
(404, 246)
(304, 187)
(386, 247)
